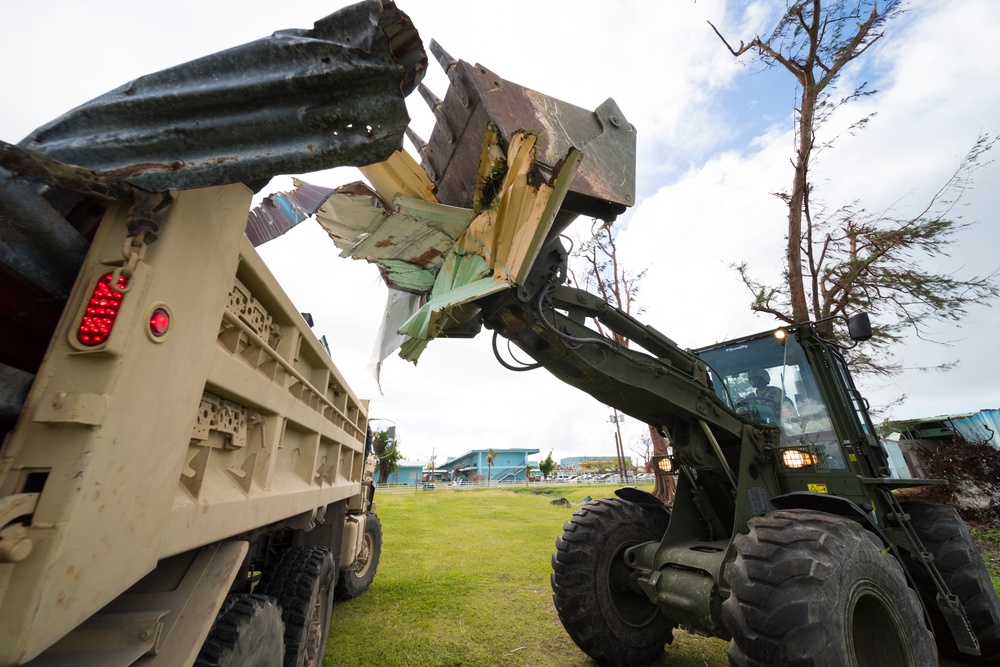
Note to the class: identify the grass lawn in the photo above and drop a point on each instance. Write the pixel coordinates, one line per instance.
(464, 580)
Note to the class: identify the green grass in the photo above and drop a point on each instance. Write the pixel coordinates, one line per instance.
(464, 580)
(988, 541)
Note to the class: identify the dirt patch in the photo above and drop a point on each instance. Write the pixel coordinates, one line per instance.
(973, 472)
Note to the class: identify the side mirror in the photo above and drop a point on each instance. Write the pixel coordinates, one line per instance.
(859, 326)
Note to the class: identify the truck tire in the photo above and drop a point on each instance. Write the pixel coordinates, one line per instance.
(818, 590)
(946, 536)
(355, 581)
(302, 582)
(248, 632)
(610, 622)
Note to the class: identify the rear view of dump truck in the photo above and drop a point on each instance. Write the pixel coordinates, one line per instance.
(186, 478)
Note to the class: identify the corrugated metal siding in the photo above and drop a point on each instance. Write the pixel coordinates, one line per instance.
(295, 102)
(982, 426)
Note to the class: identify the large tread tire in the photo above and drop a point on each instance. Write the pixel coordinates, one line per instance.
(816, 590)
(302, 581)
(610, 622)
(355, 581)
(946, 536)
(248, 632)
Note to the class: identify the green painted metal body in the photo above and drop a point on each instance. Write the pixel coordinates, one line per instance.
(728, 454)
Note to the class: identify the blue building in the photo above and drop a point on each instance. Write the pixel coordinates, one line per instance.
(408, 472)
(509, 465)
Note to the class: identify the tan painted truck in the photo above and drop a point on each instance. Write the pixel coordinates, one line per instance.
(185, 476)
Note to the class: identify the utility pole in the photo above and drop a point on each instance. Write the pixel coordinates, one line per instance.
(617, 420)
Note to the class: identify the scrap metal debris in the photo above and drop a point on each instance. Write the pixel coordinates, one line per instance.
(505, 171)
(295, 102)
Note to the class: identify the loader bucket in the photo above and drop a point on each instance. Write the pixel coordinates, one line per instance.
(604, 185)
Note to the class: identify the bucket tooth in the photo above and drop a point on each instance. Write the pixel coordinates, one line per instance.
(450, 67)
(438, 109)
(424, 151)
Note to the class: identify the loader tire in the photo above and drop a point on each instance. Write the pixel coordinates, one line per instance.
(248, 632)
(609, 621)
(302, 582)
(817, 590)
(355, 581)
(946, 536)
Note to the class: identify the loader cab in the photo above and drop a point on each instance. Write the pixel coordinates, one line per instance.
(794, 380)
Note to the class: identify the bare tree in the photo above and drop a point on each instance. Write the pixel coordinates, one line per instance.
(607, 276)
(844, 259)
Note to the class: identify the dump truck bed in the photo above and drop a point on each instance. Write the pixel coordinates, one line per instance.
(144, 446)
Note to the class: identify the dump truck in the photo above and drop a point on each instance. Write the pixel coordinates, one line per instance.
(185, 475)
(787, 537)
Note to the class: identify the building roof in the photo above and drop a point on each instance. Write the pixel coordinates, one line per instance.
(453, 462)
(982, 426)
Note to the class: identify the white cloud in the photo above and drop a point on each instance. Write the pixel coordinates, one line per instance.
(667, 71)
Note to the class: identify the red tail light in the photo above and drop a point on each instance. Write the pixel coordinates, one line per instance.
(159, 322)
(95, 327)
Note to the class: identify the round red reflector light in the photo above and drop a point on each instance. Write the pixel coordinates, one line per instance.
(159, 322)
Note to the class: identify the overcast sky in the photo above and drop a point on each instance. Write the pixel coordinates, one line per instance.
(714, 138)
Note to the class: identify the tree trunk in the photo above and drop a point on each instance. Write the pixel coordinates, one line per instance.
(666, 485)
(797, 201)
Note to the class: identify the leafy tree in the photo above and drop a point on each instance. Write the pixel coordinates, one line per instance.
(600, 465)
(491, 457)
(547, 466)
(387, 451)
(843, 259)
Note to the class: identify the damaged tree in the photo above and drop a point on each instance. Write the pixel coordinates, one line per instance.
(845, 259)
(618, 286)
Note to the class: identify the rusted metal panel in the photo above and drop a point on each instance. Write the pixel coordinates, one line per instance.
(604, 185)
(295, 102)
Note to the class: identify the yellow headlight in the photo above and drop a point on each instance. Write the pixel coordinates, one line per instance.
(666, 465)
(796, 458)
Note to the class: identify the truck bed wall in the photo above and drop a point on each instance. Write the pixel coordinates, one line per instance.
(146, 447)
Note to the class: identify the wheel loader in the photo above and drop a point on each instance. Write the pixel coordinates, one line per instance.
(787, 536)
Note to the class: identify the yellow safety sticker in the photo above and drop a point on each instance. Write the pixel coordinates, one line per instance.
(818, 488)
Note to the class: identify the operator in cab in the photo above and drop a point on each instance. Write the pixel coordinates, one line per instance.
(760, 379)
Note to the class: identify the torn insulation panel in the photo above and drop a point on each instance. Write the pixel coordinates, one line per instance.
(400, 175)
(497, 249)
(408, 240)
(399, 307)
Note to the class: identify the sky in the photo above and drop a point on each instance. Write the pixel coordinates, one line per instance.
(714, 139)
